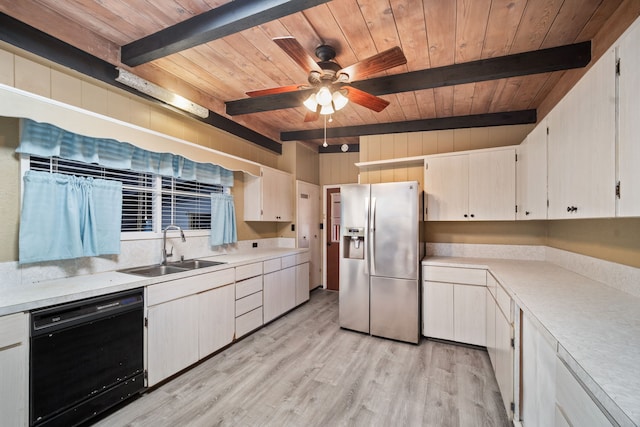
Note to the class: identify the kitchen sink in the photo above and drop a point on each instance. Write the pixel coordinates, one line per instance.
(191, 264)
(174, 267)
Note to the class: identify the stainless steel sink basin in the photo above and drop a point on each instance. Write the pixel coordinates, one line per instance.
(192, 264)
(154, 270)
(174, 267)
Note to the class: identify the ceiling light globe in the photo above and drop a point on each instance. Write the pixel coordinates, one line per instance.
(339, 99)
(311, 103)
(323, 97)
(327, 109)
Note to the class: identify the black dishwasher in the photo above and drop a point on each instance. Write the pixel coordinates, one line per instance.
(86, 356)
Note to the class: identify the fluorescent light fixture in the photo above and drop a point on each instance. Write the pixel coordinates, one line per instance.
(160, 93)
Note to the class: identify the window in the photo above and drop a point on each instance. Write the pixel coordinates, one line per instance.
(149, 202)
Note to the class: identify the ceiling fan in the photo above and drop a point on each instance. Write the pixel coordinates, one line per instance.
(331, 80)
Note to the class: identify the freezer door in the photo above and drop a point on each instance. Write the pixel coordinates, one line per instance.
(354, 276)
(393, 230)
(394, 309)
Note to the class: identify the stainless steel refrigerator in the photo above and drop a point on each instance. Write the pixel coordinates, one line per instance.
(380, 252)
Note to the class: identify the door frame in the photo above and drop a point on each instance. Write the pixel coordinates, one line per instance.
(324, 231)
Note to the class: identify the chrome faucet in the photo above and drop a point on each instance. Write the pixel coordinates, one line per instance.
(166, 255)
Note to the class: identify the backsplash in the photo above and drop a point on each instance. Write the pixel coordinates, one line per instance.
(133, 253)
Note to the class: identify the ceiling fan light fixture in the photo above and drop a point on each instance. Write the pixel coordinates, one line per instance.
(324, 97)
(339, 99)
(311, 103)
(327, 109)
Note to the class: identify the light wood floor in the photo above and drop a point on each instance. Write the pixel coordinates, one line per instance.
(303, 370)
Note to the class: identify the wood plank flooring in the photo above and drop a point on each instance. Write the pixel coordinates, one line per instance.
(303, 370)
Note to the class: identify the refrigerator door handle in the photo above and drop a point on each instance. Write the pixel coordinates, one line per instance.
(372, 236)
(366, 242)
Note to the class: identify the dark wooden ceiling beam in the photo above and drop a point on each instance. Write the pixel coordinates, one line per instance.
(521, 64)
(457, 122)
(230, 18)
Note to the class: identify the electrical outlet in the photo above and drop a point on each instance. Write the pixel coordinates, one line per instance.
(254, 244)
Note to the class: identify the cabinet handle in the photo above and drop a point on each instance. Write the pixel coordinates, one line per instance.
(572, 209)
(466, 216)
(473, 216)
(527, 212)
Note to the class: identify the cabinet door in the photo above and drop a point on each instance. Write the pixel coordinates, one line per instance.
(302, 283)
(272, 295)
(490, 324)
(538, 377)
(447, 187)
(277, 192)
(531, 172)
(581, 146)
(504, 360)
(629, 131)
(14, 360)
(217, 321)
(252, 198)
(492, 185)
(288, 300)
(172, 337)
(437, 310)
(469, 316)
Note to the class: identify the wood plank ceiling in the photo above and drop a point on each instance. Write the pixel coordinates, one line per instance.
(431, 33)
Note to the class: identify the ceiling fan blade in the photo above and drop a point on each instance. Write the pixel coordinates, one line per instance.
(365, 99)
(281, 89)
(375, 64)
(295, 50)
(312, 116)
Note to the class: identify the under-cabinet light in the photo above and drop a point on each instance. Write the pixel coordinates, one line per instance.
(160, 93)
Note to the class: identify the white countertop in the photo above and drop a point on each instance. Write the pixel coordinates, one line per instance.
(58, 291)
(596, 326)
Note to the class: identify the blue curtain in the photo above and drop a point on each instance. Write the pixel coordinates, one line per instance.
(65, 216)
(223, 220)
(45, 140)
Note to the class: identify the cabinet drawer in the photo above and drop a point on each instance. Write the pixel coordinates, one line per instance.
(249, 270)
(14, 329)
(248, 287)
(288, 261)
(174, 289)
(303, 257)
(466, 276)
(504, 302)
(248, 322)
(248, 303)
(272, 265)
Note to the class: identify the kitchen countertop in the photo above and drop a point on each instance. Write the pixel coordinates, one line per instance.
(597, 327)
(51, 292)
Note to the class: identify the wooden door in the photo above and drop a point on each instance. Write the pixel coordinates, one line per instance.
(333, 239)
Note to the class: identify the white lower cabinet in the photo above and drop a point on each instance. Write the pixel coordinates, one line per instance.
(574, 405)
(188, 319)
(499, 341)
(14, 375)
(248, 298)
(286, 284)
(450, 308)
(172, 338)
(302, 283)
(216, 325)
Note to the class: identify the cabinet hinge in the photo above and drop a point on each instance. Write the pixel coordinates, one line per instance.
(513, 343)
(618, 67)
(513, 407)
(146, 374)
(516, 157)
(547, 203)
(547, 130)
(516, 208)
(426, 166)
(618, 189)
(146, 322)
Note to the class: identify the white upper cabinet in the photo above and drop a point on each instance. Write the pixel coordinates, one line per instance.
(629, 122)
(531, 173)
(471, 186)
(581, 144)
(269, 197)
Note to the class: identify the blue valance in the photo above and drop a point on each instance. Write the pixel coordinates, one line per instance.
(223, 220)
(46, 140)
(65, 216)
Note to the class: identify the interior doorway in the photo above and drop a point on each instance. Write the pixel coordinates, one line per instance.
(332, 237)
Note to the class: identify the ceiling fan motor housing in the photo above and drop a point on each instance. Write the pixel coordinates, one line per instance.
(329, 67)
